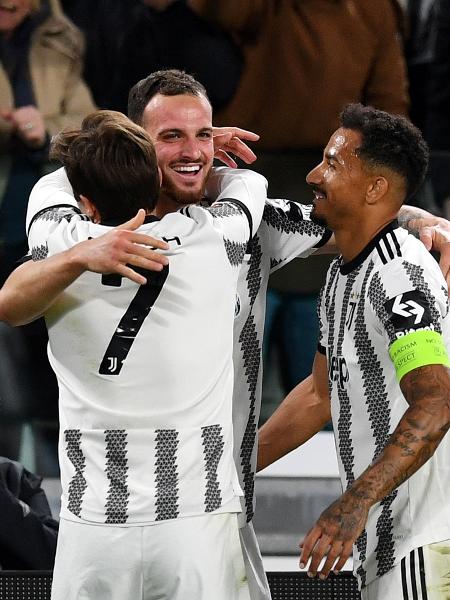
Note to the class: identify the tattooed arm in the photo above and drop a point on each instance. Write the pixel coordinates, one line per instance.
(416, 437)
(434, 233)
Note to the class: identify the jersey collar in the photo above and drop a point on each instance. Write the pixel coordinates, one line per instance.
(346, 268)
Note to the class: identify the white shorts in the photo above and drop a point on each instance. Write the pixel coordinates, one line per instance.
(256, 575)
(422, 575)
(193, 558)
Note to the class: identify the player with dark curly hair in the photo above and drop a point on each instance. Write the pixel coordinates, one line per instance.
(380, 372)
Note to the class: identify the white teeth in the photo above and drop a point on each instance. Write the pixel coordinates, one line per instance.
(187, 169)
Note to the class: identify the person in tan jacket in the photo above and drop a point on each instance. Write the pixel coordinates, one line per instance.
(41, 92)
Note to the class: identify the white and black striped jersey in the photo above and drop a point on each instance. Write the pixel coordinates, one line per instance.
(145, 372)
(285, 232)
(392, 288)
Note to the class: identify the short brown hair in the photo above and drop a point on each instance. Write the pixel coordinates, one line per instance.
(170, 82)
(111, 161)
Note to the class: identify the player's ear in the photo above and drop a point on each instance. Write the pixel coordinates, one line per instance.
(376, 189)
(89, 208)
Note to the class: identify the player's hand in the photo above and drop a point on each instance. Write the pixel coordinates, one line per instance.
(121, 249)
(28, 124)
(434, 232)
(230, 139)
(333, 535)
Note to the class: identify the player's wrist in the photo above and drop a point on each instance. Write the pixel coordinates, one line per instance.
(77, 259)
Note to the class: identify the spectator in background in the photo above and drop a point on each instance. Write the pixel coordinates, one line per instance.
(41, 91)
(304, 60)
(127, 39)
(438, 123)
(421, 25)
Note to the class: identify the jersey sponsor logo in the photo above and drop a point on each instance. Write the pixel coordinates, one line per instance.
(409, 312)
(338, 371)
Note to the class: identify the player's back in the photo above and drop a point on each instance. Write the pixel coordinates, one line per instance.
(146, 376)
(138, 356)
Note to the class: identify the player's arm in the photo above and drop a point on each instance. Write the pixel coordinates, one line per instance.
(33, 287)
(416, 437)
(242, 187)
(304, 412)
(434, 233)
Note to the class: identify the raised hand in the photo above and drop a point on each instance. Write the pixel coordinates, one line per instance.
(230, 140)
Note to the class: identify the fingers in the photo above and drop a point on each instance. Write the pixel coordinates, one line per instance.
(317, 547)
(225, 158)
(444, 264)
(141, 238)
(244, 134)
(130, 274)
(241, 150)
(426, 237)
(135, 222)
(307, 545)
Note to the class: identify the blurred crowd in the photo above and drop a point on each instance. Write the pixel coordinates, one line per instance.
(282, 68)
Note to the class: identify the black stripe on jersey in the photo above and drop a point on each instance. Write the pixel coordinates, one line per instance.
(250, 349)
(213, 445)
(166, 474)
(393, 236)
(281, 221)
(39, 252)
(381, 254)
(77, 485)
(246, 211)
(404, 581)
(116, 471)
(423, 582)
(377, 402)
(344, 425)
(56, 213)
(387, 245)
(412, 570)
(235, 252)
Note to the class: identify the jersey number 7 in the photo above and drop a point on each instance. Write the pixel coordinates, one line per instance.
(132, 320)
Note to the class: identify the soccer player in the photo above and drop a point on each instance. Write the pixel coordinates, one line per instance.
(150, 489)
(171, 107)
(381, 370)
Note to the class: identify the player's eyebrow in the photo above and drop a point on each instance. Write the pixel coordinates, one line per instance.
(330, 155)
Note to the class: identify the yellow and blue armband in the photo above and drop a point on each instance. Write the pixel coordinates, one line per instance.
(418, 349)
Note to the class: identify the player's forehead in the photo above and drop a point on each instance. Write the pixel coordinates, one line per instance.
(184, 112)
(343, 145)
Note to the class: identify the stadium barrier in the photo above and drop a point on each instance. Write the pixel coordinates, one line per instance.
(36, 585)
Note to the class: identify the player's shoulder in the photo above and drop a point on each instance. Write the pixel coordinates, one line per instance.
(402, 262)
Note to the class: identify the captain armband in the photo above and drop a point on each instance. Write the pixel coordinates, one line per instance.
(418, 349)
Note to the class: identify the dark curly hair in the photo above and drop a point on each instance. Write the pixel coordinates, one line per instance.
(170, 82)
(389, 141)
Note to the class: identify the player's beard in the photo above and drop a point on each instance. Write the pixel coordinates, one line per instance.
(315, 218)
(182, 197)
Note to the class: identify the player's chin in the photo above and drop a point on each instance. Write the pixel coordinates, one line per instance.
(318, 217)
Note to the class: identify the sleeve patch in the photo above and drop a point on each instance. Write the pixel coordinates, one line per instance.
(409, 312)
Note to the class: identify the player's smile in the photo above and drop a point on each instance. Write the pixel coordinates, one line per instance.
(189, 171)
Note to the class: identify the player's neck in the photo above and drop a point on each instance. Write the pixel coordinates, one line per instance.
(352, 240)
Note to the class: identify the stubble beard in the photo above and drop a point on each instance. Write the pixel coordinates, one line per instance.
(182, 197)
